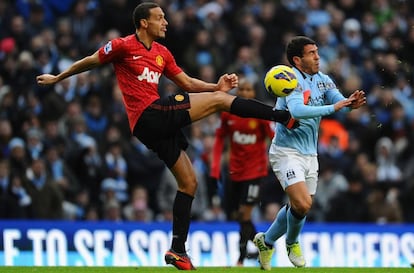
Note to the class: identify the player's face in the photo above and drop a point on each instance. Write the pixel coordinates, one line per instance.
(246, 90)
(309, 62)
(157, 24)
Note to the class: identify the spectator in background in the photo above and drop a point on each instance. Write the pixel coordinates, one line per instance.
(116, 14)
(65, 43)
(177, 40)
(47, 39)
(36, 19)
(6, 11)
(247, 65)
(95, 117)
(13, 197)
(387, 170)
(83, 24)
(52, 136)
(60, 173)
(34, 144)
(26, 72)
(383, 205)
(87, 164)
(403, 93)
(108, 190)
(112, 211)
(145, 168)
(405, 199)
(19, 32)
(71, 123)
(316, 15)
(110, 206)
(199, 152)
(116, 167)
(223, 41)
(333, 141)
(353, 40)
(117, 113)
(92, 213)
(6, 134)
(368, 73)
(407, 53)
(215, 212)
(202, 52)
(399, 130)
(77, 207)
(350, 205)
(331, 182)
(31, 106)
(328, 43)
(8, 111)
(47, 198)
(165, 196)
(137, 208)
(18, 158)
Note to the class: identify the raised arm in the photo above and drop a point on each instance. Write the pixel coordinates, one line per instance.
(189, 84)
(77, 67)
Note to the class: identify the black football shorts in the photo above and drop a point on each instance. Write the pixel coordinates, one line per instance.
(247, 192)
(160, 127)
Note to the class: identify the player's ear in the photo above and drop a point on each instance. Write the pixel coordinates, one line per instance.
(296, 59)
(143, 23)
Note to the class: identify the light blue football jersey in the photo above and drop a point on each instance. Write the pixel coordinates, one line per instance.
(313, 98)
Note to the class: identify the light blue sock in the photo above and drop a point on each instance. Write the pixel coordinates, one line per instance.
(294, 226)
(277, 228)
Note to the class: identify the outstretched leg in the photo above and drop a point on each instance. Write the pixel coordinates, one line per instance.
(206, 103)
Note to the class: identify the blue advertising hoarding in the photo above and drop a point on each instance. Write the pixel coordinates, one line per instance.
(43, 243)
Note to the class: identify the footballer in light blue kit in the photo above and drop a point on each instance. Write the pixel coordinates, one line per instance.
(293, 153)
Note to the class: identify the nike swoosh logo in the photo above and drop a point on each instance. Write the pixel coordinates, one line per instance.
(136, 57)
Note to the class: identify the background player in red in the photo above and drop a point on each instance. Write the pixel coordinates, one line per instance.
(139, 62)
(248, 139)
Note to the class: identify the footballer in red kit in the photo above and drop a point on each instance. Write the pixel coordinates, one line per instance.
(248, 139)
(138, 71)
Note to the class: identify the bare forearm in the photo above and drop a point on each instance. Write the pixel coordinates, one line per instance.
(79, 66)
(197, 85)
(225, 83)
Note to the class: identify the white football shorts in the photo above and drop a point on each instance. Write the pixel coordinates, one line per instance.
(291, 167)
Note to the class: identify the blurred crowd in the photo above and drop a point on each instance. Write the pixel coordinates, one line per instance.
(66, 151)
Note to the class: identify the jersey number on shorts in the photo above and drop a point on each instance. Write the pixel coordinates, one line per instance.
(253, 193)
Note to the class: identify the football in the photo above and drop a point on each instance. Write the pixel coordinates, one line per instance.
(280, 80)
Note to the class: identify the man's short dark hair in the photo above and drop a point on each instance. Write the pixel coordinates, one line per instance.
(142, 11)
(295, 47)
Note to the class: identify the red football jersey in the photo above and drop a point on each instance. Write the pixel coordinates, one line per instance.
(138, 71)
(248, 147)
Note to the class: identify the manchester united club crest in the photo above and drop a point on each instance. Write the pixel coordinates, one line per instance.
(179, 97)
(252, 124)
(159, 60)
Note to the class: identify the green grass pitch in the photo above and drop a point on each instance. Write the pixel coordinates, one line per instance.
(71, 269)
